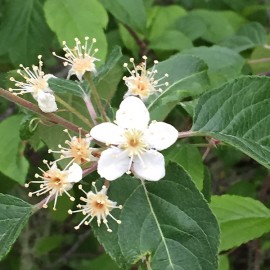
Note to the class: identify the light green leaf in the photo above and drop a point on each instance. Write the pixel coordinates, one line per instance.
(187, 77)
(14, 214)
(162, 19)
(224, 64)
(24, 32)
(12, 162)
(70, 19)
(247, 37)
(189, 157)
(215, 21)
(171, 40)
(169, 220)
(238, 114)
(129, 12)
(241, 219)
(223, 262)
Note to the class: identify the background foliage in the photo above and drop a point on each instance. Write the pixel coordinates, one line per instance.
(217, 58)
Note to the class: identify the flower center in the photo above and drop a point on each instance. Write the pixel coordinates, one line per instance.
(39, 84)
(56, 179)
(134, 142)
(80, 150)
(82, 64)
(142, 86)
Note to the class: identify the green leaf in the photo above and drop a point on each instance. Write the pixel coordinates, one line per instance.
(189, 157)
(66, 86)
(162, 19)
(248, 36)
(129, 12)
(189, 106)
(24, 32)
(70, 19)
(14, 214)
(187, 77)
(28, 126)
(223, 63)
(168, 220)
(171, 40)
(110, 74)
(223, 262)
(238, 114)
(12, 162)
(241, 219)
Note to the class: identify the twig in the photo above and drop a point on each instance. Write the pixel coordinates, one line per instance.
(140, 42)
(186, 134)
(90, 169)
(51, 117)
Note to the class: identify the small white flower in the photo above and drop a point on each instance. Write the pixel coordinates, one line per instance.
(79, 58)
(133, 143)
(141, 81)
(78, 149)
(96, 205)
(56, 182)
(36, 83)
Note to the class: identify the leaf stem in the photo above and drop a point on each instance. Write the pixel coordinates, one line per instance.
(260, 60)
(74, 111)
(186, 134)
(90, 108)
(51, 117)
(94, 92)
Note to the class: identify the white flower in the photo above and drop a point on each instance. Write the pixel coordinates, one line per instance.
(96, 205)
(142, 82)
(133, 143)
(78, 150)
(79, 58)
(36, 83)
(56, 182)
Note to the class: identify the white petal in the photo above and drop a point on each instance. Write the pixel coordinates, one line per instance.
(161, 135)
(132, 113)
(74, 173)
(46, 102)
(113, 163)
(150, 167)
(107, 133)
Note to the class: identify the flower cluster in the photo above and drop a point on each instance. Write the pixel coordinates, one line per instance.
(130, 144)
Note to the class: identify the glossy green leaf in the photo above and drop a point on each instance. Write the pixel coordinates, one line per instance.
(187, 77)
(129, 12)
(14, 213)
(241, 219)
(12, 162)
(169, 220)
(22, 30)
(189, 157)
(238, 114)
(78, 19)
(223, 63)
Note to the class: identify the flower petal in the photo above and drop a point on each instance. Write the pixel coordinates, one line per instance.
(150, 167)
(132, 113)
(161, 135)
(113, 163)
(74, 173)
(46, 102)
(107, 133)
